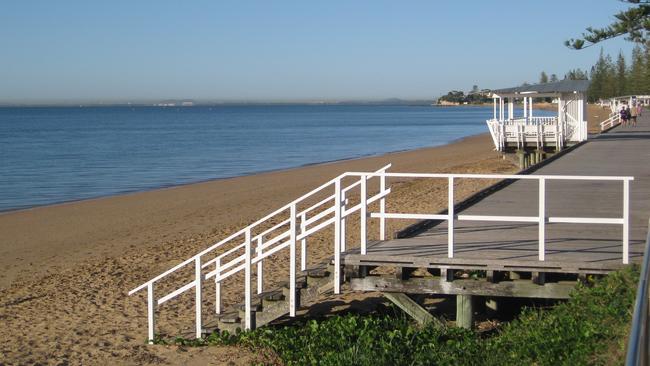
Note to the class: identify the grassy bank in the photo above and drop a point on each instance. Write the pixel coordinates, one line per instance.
(589, 329)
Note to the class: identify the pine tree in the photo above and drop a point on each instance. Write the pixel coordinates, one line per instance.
(554, 78)
(638, 70)
(621, 75)
(633, 22)
(543, 78)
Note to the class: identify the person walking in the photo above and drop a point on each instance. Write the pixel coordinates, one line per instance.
(633, 114)
(623, 113)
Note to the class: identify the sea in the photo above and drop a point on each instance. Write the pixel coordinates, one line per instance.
(52, 155)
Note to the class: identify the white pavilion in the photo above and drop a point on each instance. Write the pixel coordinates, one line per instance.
(510, 132)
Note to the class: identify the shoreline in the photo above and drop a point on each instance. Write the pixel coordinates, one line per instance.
(173, 185)
(65, 269)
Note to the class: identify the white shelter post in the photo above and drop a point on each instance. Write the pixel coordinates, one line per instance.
(494, 102)
(525, 107)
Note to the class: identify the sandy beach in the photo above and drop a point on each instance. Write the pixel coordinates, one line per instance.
(66, 268)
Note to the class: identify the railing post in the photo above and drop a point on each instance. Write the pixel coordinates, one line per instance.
(260, 266)
(363, 214)
(343, 223)
(248, 324)
(198, 278)
(303, 242)
(151, 316)
(292, 261)
(450, 218)
(382, 207)
(217, 286)
(626, 221)
(337, 236)
(542, 218)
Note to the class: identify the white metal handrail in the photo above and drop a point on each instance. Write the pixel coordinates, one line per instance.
(542, 218)
(265, 248)
(301, 224)
(613, 120)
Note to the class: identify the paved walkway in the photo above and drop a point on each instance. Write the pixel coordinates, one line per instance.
(623, 151)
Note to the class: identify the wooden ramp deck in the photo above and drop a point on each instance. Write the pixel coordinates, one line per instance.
(570, 248)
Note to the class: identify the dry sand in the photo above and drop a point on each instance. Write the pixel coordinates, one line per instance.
(66, 269)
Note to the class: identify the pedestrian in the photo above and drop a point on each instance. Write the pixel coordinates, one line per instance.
(633, 114)
(639, 108)
(623, 114)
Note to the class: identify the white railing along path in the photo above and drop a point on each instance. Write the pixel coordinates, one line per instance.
(301, 224)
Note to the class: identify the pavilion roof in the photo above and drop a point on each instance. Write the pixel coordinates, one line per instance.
(563, 86)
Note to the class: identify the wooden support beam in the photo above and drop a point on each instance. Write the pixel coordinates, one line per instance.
(428, 285)
(447, 274)
(464, 311)
(404, 273)
(412, 308)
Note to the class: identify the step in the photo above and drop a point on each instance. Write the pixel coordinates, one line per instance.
(229, 318)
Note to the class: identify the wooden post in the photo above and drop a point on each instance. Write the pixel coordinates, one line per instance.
(292, 261)
(198, 278)
(151, 316)
(464, 311)
(412, 308)
(217, 286)
(303, 242)
(248, 323)
(450, 218)
(363, 214)
(337, 236)
(260, 266)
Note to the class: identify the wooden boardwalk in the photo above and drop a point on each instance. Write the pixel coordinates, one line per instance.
(570, 248)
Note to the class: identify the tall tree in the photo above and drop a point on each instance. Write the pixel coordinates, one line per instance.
(634, 23)
(576, 74)
(621, 75)
(554, 78)
(638, 72)
(543, 78)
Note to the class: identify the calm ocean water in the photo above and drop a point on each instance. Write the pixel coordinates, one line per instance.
(51, 155)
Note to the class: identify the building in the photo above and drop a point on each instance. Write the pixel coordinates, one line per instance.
(510, 132)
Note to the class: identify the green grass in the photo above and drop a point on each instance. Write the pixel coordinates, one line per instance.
(589, 329)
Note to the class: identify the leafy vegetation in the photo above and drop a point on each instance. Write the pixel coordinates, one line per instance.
(633, 22)
(590, 328)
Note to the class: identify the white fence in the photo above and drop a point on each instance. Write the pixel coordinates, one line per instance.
(613, 120)
(539, 130)
(251, 247)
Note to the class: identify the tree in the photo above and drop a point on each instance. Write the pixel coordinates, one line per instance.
(554, 78)
(543, 78)
(633, 22)
(621, 75)
(575, 74)
(637, 81)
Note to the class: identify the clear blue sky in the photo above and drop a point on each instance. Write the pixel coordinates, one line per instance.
(294, 50)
